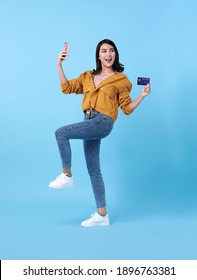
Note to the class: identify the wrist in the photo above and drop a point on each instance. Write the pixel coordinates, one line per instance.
(142, 95)
(59, 64)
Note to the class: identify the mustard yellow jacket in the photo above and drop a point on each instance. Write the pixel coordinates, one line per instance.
(106, 97)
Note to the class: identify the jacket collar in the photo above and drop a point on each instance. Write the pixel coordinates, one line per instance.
(115, 77)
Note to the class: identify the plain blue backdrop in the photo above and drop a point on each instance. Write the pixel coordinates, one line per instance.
(148, 161)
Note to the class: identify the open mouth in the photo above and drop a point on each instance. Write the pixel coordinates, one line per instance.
(108, 60)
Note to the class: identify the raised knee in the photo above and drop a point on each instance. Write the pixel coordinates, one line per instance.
(58, 133)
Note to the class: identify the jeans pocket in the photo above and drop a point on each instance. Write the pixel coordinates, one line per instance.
(107, 123)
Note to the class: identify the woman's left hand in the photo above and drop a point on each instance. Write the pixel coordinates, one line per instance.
(146, 90)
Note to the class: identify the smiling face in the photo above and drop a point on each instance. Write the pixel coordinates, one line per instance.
(107, 56)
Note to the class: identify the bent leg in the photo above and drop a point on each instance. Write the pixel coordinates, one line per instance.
(90, 129)
(64, 147)
(63, 134)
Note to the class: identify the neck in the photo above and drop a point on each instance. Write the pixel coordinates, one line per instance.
(106, 71)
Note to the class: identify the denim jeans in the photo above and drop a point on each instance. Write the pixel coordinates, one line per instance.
(91, 131)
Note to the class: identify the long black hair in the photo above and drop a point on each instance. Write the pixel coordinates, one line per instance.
(117, 66)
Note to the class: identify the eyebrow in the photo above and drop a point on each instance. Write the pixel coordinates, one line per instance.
(103, 49)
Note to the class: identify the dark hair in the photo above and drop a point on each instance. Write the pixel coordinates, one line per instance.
(117, 66)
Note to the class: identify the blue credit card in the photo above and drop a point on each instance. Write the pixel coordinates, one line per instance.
(143, 81)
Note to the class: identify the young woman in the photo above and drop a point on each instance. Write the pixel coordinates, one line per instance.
(105, 90)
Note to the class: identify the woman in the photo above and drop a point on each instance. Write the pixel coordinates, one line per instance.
(104, 89)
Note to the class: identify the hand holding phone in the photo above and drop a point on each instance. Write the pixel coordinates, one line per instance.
(63, 54)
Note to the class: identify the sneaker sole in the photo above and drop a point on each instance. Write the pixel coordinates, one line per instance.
(96, 225)
(61, 188)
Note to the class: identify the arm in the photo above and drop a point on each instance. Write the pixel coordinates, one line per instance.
(62, 56)
(67, 86)
(145, 91)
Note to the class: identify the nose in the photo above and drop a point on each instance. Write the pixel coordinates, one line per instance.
(108, 53)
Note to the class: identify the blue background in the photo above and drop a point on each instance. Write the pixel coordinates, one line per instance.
(148, 161)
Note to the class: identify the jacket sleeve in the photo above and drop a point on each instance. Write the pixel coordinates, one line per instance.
(125, 98)
(73, 86)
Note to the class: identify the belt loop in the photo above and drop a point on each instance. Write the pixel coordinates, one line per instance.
(90, 113)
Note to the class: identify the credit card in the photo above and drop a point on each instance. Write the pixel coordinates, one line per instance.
(143, 81)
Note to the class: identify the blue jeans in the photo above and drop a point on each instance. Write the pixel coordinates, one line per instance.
(91, 130)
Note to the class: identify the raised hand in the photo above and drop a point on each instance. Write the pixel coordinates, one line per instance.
(146, 90)
(63, 54)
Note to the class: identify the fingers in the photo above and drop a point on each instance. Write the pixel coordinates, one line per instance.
(147, 88)
(64, 53)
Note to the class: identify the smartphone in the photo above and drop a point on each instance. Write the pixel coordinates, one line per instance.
(66, 45)
(143, 81)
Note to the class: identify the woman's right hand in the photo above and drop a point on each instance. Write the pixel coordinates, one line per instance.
(63, 54)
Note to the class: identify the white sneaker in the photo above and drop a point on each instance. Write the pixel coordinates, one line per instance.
(62, 182)
(96, 220)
